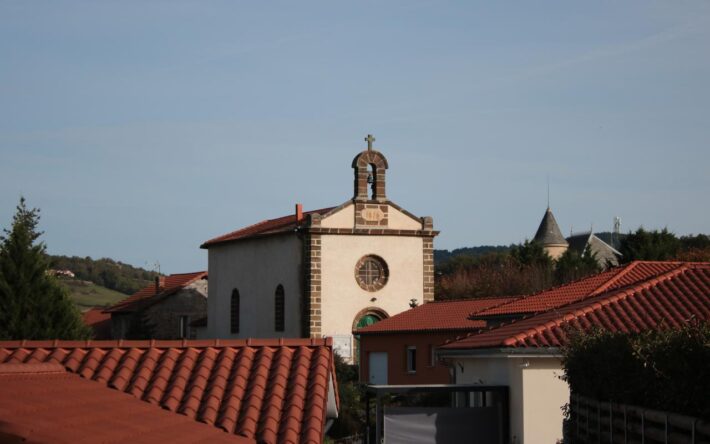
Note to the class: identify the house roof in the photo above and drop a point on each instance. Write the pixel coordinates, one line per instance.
(264, 228)
(45, 403)
(148, 295)
(271, 390)
(670, 297)
(436, 316)
(548, 233)
(611, 279)
(98, 321)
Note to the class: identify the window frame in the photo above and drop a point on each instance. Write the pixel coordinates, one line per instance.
(234, 311)
(411, 359)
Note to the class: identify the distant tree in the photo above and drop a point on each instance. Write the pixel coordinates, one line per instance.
(650, 245)
(531, 253)
(571, 265)
(32, 304)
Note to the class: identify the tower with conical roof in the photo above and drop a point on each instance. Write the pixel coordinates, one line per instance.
(549, 235)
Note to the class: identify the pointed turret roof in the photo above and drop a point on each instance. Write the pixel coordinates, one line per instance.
(549, 232)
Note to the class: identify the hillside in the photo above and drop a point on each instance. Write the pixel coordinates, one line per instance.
(441, 256)
(86, 294)
(107, 273)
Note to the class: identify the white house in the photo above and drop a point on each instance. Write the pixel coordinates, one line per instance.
(323, 272)
(525, 354)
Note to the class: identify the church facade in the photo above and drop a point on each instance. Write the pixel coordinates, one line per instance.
(323, 273)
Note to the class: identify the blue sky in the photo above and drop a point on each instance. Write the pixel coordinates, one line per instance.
(141, 129)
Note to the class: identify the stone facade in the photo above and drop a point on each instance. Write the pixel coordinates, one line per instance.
(162, 319)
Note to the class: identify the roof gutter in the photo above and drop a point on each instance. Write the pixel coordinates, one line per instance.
(508, 352)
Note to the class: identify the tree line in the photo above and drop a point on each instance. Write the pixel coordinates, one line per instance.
(526, 268)
(106, 272)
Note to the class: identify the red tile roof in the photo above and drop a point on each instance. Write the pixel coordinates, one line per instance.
(148, 295)
(266, 227)
(271, 390)
(436, 316)
(665, 299)
(99, 321)
(44, 403)
(614, 278)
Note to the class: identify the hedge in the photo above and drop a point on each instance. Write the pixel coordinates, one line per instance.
(667, 370)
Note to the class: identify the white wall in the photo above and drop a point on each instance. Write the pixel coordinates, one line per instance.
(536, 393)
(342, 298)
(255, 267)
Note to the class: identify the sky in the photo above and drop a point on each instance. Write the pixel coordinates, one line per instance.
(142, 129)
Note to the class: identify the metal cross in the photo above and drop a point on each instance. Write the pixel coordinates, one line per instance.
(369, 139)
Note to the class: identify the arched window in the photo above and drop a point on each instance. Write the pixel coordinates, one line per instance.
(234, 312)
(279, 309)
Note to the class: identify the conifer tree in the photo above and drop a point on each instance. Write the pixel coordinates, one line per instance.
(32, 304)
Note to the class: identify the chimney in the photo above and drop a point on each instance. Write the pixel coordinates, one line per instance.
(159, 283)
(299, 212)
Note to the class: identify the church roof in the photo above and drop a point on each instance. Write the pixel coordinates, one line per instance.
(549, 232)
(150, 294)
(676, 294)
(437, 316)
(267, 390)
(264, 228)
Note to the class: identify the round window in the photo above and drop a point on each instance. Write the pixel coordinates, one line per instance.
(371, 273)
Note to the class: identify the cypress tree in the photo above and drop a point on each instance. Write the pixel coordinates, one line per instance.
(32, 304)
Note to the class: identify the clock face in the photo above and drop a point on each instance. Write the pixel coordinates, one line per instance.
(371, 273)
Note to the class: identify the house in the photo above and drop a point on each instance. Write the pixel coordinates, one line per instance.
(524, 353)
(400, 350)
(548, 235)
(606, 255)
(164, 310)
(266, 391)
(99, 321)
(322, 272)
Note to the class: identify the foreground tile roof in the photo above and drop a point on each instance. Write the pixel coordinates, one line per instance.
(634, 272)
(150, 294)
(676, 294)
(45, 403)
(272, 390)
(436, 316)
(266, 227)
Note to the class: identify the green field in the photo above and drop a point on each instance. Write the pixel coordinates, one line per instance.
(87, 294)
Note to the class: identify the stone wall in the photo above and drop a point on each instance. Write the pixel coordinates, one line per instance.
(163, 318)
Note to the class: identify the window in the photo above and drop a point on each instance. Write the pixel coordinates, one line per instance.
(279, 309)
(371, 273)
(432, 354)
(411, 359)
(234, 312)
(184, 327)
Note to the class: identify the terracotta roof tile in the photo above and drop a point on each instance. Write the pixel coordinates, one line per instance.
(436, 316)
(269, 390)
(662, 295)
(99, 321)
(148, 295)
(44, 403)
(263, 228)
(614, 278)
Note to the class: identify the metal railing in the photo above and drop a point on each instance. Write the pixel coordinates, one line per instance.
(592, 421)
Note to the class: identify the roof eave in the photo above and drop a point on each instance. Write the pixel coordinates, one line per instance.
(505, 352)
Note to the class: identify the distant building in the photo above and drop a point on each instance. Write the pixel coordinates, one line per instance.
(99, 321)
(550, 237)
(606, 255)
(61, 273)
(164, 310)
(324, 272)
(555, 244)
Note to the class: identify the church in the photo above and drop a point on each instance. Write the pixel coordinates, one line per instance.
(322, 273)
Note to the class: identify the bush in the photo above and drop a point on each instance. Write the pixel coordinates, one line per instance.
(664, 370)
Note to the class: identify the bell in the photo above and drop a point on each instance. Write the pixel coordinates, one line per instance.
(370, 179)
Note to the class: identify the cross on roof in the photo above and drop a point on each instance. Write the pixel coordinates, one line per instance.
(369, 139)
